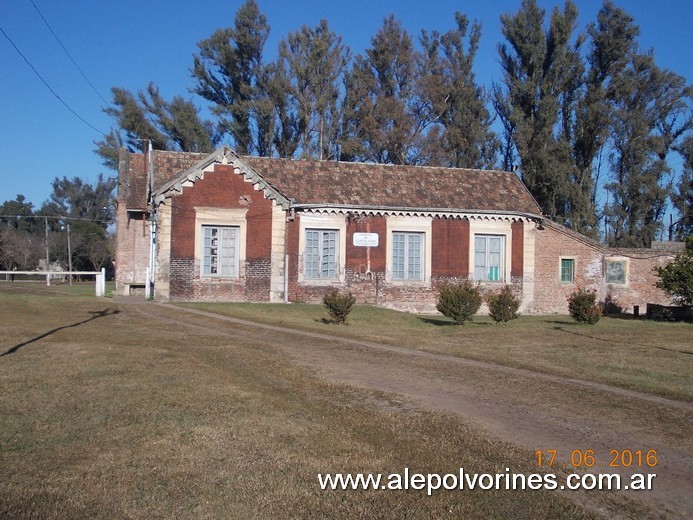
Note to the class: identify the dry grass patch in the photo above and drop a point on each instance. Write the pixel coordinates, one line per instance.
(641, 355)
(123, 416)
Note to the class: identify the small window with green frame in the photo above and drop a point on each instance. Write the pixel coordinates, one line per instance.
(567, 270)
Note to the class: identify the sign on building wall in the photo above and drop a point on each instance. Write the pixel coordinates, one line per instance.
(366, 239)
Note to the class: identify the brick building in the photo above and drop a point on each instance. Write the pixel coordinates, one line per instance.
(221, 227)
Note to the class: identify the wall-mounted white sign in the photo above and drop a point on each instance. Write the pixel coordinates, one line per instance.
(366, 239)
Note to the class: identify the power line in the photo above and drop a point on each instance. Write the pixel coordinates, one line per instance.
(66, 52)
(48, 86)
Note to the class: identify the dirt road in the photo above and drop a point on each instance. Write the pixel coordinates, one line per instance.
(533, 410)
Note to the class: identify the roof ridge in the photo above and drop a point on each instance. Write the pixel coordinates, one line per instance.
(386, 165)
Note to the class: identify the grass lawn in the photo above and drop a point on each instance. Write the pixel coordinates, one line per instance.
(647, 356)
(107, 414)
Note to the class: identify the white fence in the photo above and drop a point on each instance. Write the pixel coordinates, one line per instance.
(100, 276)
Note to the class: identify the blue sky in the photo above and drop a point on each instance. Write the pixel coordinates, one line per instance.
(129, 43)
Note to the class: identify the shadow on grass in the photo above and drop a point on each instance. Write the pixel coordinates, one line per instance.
(440, 322)
(328, 321)
(436, 321)
(611, 340)
(559, 322)
(624, 316)
(95, 315)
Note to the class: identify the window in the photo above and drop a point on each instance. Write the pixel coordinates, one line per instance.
(616, 271)
(407, 256)
(321, 253)
(220, 251)
(488, 258)
(567, 270)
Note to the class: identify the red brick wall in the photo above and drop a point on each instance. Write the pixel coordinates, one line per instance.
(450, 262)
(550, 294)
(450, 254)
(518, 246)
(357, 257)
(640, 283)
(221, 189)
(131, 249)
(132, 229)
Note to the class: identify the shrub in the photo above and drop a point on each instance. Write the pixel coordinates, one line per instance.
(338, 304)
(459, 301)
(583, 306)
(503, 306)
(676, 278)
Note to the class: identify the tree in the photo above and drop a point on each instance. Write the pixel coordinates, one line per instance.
(314, 60)
(17, 214)
(682, 198)
(460, 133)
(19, 249)
(228, 71)
(382, 116)
(20, 240)
(76, 198)
(676, 278)
(647, 123)
(167, 125)
(540, 77)
(612, 40)
(89, 209)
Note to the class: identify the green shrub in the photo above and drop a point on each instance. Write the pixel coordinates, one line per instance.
(503, 306)
(459, 301)
(676, 278)
(583, 306)
(338, 304)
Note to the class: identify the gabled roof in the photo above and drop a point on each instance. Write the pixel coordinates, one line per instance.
(309, 183)
(394, 186)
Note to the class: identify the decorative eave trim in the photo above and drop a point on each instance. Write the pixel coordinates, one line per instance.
(469, 214)
(223, 155)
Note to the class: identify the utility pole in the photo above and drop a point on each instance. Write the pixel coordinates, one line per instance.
(69, 252)
(48, 264)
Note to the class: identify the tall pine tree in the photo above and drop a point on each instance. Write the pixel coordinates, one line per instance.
(539, 75)
(315, 60)
(382, 114)
(459, 133)
(228, 71)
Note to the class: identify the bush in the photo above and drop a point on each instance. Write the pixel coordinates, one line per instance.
(583, 306)
(459, 301)
(338, 304)
(503, 306)
(676, 278)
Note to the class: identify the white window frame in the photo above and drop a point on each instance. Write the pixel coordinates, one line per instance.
(221, 218)
(487, 238)
(322, 222)
(491, 227)
(560, 269)
(210, 249)
(407, 251)
(422, 225)
(323, 269)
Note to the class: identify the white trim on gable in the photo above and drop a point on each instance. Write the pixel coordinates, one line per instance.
(224, 156)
